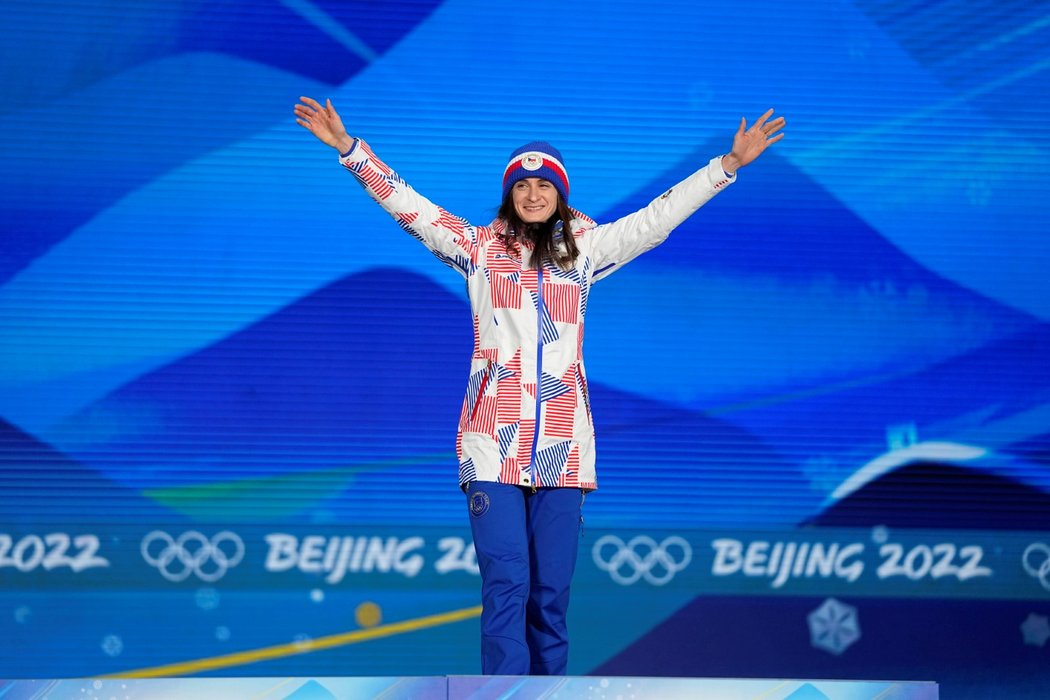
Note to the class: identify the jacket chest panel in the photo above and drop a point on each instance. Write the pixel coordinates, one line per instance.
(514, 285)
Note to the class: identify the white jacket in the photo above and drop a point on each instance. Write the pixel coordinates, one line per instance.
(528, 324)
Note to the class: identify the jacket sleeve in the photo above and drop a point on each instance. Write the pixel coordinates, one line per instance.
(615, 244)
(450, 238)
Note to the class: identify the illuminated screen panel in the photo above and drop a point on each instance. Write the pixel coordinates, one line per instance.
(230, 383)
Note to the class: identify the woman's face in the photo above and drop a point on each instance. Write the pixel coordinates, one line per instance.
(535, 200)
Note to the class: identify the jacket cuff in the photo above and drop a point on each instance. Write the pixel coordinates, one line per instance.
(348, 155)
(719, 177)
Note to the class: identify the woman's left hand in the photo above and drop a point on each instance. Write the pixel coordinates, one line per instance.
(749, 143)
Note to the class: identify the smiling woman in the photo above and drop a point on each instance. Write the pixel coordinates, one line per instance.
(536, 204)
(526, 437)
(201, 331)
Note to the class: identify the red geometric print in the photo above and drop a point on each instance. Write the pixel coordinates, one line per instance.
(559, 415)
(496, 260)
(406, 218)
(510, 472)
(571, 476)
(451, 223)
(508, 396)
(506, 293)
(528, 280)
(379, 165)
(560, 411)
(484, 420)
(376, 182)
(562, 301)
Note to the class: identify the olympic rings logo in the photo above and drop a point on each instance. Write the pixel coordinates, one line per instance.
(1036, 562)
(641, 557)
(192, 553)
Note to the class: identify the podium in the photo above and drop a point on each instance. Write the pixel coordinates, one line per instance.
(466, 688)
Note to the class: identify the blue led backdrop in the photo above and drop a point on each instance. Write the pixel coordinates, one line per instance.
(229, 383)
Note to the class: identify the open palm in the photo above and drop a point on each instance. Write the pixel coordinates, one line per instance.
(749, 143)
(323, 122)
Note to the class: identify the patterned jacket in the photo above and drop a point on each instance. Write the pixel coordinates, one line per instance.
(526, 417)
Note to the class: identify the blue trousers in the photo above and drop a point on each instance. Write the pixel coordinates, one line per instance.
(526, 544)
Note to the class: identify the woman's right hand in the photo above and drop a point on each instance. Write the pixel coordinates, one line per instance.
(323, 122)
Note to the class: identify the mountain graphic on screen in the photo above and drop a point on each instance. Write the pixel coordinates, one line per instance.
(40, 484)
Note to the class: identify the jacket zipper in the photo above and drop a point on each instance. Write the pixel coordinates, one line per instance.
(539, 374)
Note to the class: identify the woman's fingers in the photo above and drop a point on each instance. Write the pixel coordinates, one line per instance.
(773, 125)
(311, 102)
(312, 115)
(762, 120)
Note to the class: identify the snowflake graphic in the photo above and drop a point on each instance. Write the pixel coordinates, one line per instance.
(1036, 630)
(833, 626)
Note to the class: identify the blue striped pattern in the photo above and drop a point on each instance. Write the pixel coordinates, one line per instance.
(549, 462)
(506, 435)
(467, 472)
(551, 386)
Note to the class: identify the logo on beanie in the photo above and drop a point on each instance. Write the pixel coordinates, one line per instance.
(479, 503)
(532, 161)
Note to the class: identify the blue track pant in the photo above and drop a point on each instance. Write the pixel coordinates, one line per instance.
(526, 545)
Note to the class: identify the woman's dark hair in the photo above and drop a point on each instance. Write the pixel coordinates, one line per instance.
(542, 235)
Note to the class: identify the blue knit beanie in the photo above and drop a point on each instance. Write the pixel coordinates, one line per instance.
(537, 159)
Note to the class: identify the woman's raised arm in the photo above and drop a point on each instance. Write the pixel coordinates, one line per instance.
(452, 239)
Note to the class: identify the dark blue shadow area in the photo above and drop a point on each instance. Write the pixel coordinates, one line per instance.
(299, 390)
(925, 495)
(252, 30)
(973, 648)
(1003, 379)
(690, 457)
(38, 484)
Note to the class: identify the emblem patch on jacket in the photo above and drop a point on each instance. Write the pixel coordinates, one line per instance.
(479, 503)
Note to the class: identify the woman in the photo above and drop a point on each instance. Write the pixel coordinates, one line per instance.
(526, 441)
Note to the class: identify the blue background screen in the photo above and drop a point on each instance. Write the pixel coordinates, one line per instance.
(229, 384)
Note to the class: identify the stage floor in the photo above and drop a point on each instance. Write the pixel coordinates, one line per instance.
(464, 687)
